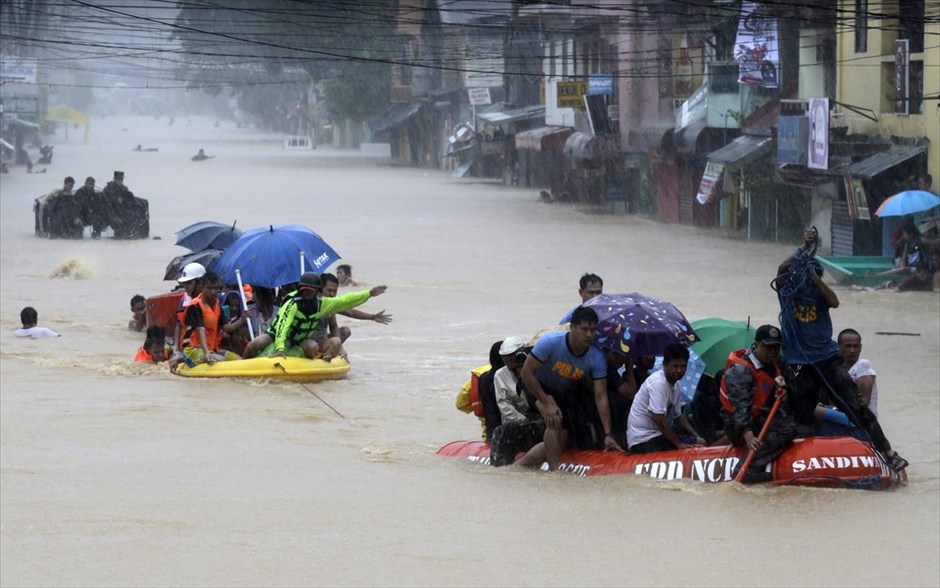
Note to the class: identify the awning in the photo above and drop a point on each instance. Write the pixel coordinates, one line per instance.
(66, 114)
(881, 162)
(742, 151)
(686, 140)
(543, 138)
(26, 124)
(510, 116)
(396, 115)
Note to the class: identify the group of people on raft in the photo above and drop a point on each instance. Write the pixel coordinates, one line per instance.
(296, 319)
(65, 212)
(564, 391)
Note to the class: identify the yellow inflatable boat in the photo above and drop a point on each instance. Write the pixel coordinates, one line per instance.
(293, 369)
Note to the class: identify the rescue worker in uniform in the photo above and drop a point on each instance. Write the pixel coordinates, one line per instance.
(64, 213)
(749, 387)
(94, 212)
(299, 315)
(128, 215)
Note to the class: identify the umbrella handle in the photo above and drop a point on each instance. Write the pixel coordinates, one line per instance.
(241, 294)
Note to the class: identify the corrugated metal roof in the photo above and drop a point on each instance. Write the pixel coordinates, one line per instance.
(880, 162)
(742, 151)
(516, 114)
(469, 11)
(396, 115)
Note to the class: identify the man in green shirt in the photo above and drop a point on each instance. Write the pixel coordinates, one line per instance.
(299, 314)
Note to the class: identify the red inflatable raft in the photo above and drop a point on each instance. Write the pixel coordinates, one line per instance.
(832, 462)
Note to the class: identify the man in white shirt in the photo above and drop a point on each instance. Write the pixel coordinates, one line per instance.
(29, 317)
(861, 370)
(657, 407)
(512, 403)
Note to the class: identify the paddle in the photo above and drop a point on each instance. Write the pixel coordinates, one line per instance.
(763, 430)
(280, 367)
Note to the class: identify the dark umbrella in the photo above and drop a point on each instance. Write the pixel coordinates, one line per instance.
(207, 258)
(207, 235)
(271, 256)
(639, 325)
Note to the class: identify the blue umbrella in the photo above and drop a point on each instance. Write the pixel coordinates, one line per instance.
(270, 256)
(638, 325)
(207, 235)
(908, 202)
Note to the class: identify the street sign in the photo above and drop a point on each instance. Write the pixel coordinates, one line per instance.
(479, 96)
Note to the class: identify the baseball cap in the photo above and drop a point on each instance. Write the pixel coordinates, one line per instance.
(768, 335)
(309, 281)
(511, 345)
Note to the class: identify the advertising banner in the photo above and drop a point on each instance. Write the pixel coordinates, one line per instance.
(818, 133)
(600, 84)
(756, 48)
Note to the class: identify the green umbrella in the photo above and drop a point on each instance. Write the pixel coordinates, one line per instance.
(719, 337)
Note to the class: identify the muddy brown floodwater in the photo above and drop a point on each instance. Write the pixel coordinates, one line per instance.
(114, 474)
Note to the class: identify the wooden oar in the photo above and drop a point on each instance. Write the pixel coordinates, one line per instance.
(760, 437)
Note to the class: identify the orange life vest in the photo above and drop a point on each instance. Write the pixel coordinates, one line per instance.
(144, 355)
(475, 403)
(764, 384)
(210, 320)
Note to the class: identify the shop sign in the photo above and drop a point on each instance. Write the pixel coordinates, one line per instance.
(602, 84)
(571, 94)
(479, 96)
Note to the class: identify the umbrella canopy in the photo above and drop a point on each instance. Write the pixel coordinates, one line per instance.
(207, 235)
(908, 202)
(639, 325)
(270, 256)
(207, 258)
(718, 338)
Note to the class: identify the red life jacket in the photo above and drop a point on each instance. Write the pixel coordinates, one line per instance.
(764, 385)
(210, 320)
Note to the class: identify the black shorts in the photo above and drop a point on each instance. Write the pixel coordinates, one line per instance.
(579, 416)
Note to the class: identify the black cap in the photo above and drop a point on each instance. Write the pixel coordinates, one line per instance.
(309, 280)
(118, 175)
(768, 335)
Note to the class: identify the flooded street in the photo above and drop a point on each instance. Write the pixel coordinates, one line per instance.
(115, 474)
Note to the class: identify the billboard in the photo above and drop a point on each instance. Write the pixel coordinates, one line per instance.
(757, 48)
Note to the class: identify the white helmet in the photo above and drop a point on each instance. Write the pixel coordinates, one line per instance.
(192, 271)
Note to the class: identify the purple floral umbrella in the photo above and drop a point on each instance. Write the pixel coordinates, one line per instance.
(638, 325)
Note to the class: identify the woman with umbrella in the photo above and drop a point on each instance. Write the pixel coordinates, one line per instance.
(913, 260)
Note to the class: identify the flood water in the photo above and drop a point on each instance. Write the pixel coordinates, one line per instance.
(114, 474)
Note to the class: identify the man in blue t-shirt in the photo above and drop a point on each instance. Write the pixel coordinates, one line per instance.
(555, 373)
(816, 366)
